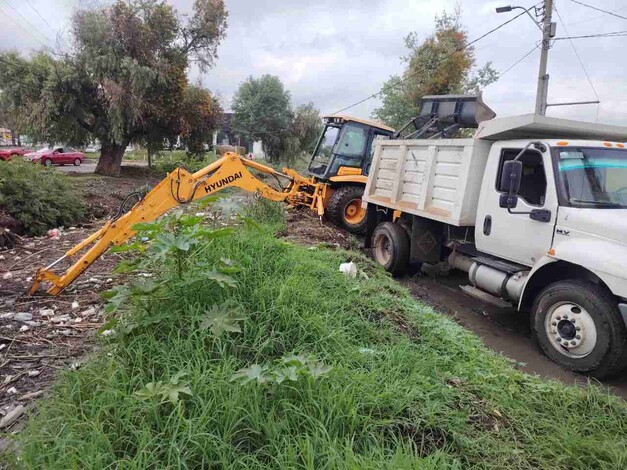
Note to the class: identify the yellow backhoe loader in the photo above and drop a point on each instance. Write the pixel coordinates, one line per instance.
(338, 172)
(177, 188)
(341, 161)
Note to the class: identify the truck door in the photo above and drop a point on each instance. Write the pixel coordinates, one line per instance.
(516, 236)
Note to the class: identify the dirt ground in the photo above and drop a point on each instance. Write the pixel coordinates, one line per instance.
(42, 335)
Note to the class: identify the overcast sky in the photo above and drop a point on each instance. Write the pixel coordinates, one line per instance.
(335, 53)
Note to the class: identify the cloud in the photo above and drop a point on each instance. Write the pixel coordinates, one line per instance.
(336, 53)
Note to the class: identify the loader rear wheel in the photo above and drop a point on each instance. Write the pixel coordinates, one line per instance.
(345, 209)
(390, 247)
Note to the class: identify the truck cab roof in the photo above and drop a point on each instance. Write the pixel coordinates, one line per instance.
(534, 126)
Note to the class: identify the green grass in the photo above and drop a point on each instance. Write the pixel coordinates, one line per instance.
(409, 388)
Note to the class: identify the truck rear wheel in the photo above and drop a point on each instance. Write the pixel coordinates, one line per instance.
(390, 247)
(345, 209)
(577, 324)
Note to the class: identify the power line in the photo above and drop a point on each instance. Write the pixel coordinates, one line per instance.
(585, 71)
(518, 61)
(41, 16)
(599, 9)
(411, 75)
(28, 22)
(614, 34)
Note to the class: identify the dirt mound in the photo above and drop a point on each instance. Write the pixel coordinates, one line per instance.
(302, 226)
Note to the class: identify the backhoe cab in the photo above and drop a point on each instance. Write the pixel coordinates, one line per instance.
(341, 160)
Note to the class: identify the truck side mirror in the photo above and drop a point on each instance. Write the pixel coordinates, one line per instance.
(510, 177)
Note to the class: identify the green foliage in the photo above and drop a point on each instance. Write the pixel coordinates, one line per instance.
(409, 387)
(123, 80)
(264, 211)
(38, 198)
(303, 133)
(288, 368)
(438, 65)
(165, 392)
(263, 111)
(202, 115)
(192, 163)
(220, 319)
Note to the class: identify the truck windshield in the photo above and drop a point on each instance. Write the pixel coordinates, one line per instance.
(593, 177)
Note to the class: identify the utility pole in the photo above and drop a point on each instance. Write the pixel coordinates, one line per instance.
(548, 31)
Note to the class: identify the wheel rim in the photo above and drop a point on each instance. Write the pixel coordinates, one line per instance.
(48, 163)
(353, 212)
(382, 249)
(570, 329)
(77, 162)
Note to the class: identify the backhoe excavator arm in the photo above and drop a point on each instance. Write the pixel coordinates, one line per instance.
(180, 187)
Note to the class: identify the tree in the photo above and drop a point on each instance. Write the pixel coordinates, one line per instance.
(262, 111)
(302, 134)
(202, 114)
(11, 118)
(306, 126)
(124, 79)
(441, 64)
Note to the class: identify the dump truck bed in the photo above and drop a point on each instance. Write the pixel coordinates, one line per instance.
(436, 179)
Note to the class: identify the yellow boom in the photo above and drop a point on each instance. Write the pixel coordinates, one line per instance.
(180, 187)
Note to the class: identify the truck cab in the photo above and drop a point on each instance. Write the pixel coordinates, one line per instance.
(534, 209)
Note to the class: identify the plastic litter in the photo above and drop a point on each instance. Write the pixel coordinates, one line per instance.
(349, 269)
(54, 233)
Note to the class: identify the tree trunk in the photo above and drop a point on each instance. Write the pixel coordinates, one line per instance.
(110, 159)
(12, 137)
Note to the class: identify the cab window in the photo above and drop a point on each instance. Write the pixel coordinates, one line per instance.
(533, 181)
(353, 140)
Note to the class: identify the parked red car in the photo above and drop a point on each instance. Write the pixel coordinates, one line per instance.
(8, 154)
(56, 156)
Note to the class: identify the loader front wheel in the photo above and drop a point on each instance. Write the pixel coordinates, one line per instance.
(345, 209)
(390, 247)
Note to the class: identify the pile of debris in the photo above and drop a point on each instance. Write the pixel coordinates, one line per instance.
(34, 345)
(42, 335)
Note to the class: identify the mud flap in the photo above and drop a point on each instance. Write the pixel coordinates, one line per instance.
(426, 241)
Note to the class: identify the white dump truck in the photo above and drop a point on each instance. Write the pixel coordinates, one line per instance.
(533, 208)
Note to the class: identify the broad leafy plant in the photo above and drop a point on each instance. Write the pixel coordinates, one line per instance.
(288, 368)
(164, 392)
(169, 259)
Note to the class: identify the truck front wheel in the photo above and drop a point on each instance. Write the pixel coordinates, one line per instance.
(390, 247)
(577, 324)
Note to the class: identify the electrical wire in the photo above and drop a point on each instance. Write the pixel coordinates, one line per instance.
(27, 22)
(599, 9)
(585, 71)
(518, 61)
(448, 56)
(614, 34)
(41, 16)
